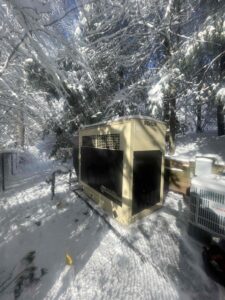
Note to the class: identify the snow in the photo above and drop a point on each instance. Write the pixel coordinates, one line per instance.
(155, 98)
(108, 264)
(221, 95)
(203, 166)
(214, 183)
(140, 117)
(207, 144)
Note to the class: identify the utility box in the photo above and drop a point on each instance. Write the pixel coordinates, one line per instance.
(121, 165)
(207, 204)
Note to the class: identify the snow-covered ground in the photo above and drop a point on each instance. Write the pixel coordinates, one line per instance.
(154, 258)
(207, 144)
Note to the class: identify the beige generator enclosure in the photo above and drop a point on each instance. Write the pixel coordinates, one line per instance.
(121, 165)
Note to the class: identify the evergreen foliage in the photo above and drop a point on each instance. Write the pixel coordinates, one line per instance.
(67, 64)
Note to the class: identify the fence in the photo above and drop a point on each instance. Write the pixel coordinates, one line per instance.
(207, 205)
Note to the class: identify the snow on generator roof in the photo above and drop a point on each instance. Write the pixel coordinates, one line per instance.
(125, 118)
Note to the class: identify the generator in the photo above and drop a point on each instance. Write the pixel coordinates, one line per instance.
(121, 165)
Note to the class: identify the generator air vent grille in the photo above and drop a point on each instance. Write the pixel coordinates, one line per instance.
(106, 141)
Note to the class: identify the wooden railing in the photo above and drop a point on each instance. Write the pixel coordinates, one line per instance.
(178, 174)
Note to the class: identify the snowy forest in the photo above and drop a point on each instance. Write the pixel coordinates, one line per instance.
(68, 63)
(139, 213)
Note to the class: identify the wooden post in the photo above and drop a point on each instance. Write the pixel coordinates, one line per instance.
(3, 172)
(16, 161)
(12, 173)
(1, 175)
(53, 186)
(70, 175)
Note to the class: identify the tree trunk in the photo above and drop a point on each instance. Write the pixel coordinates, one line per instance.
(170, 45)
(20, 129)
(199, 117)
(220, 119)
(220, 106)
(166, 110)
(172, 123)
(22, 135)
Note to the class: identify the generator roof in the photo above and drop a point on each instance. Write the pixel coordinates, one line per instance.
(140, 117)
(9, 150)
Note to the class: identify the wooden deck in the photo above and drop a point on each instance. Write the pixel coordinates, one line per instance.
(178, 174)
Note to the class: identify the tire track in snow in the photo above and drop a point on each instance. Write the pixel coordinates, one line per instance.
(132, 280)
(123, 239)
(156, 246)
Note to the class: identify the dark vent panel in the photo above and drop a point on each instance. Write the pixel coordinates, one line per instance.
(146, 179)
(106, 141)
(102, 169)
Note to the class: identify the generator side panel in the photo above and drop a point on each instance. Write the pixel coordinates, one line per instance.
(149, 135)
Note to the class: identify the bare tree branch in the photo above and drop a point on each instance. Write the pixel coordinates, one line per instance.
(12, 54)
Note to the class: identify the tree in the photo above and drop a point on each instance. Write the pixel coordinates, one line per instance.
(101, 59)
